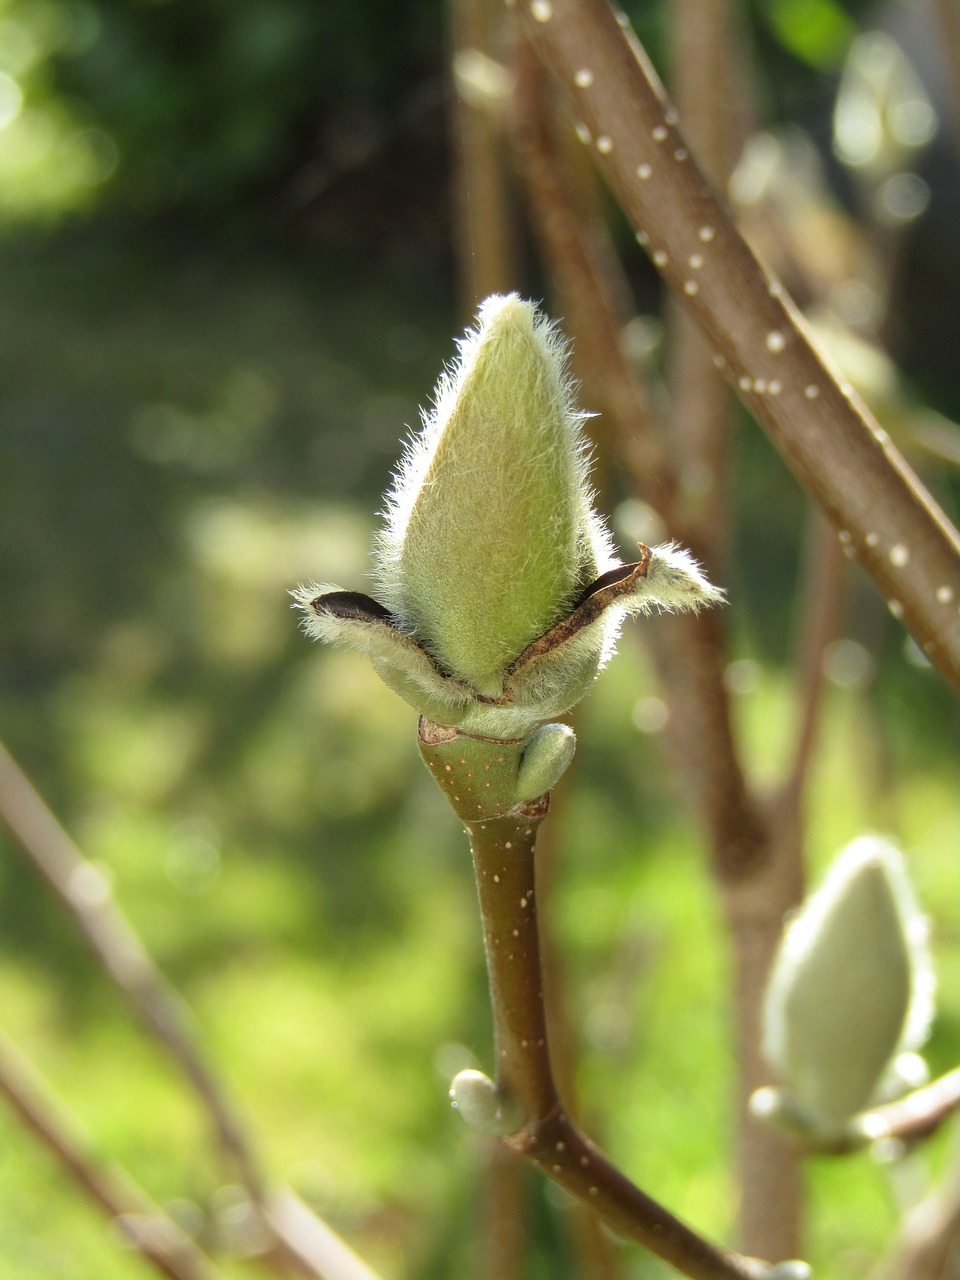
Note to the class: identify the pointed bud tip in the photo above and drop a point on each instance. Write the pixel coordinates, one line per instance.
(506, 309)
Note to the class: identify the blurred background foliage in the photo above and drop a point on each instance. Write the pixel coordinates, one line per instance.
(228, 282)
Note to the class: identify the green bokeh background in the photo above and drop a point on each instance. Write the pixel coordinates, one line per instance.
(226, 286)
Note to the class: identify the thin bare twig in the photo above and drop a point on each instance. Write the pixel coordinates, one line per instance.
(308, 1242)
(148, 1229)
(299, 1236)
(84, 891)
(832, 444)
(821, 601)
(486, 241)
(704, 81)
(920, 1113)
(928, 1244)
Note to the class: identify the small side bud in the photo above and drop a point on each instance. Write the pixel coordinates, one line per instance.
(483, 1107)
(795, 1269)
(544, 761)
(851, 987)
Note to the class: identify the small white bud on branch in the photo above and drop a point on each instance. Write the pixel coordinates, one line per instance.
(483, 1107)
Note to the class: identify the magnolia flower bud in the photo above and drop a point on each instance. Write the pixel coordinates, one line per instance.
(850, 988)
(500, 597)
(491, 536)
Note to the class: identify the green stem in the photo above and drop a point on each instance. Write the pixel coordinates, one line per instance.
(478, 777)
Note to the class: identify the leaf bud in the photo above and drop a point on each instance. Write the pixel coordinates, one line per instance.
(483, 1107)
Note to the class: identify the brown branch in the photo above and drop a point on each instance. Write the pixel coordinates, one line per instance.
(705, 85)
(502, 1229)
(920, 1113)
(486, 243)
(505, 880)
(592, 291)
(821, 602)
(709, 78)
(689, 648)
(689, 652)
(769, 1167)
(757, 861)
(948, 16)
(594, 1253)
(154, 1235)
(503, 846)
(829, 440)
(79, 886)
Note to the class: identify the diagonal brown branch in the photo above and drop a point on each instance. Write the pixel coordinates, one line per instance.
(689, 651)
(920, 1113)
(821, 602)
(156, 1237)
(838, 452)
(304, 1241)
(592, 291)
(86, 895)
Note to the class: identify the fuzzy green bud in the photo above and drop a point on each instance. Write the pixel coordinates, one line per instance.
(850, 988)
(499, 597)
(490, 535)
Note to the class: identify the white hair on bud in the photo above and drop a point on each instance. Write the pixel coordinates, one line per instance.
(595, 551)
(400, 661)
(320, 624)
(490, 541)
(674, 582)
